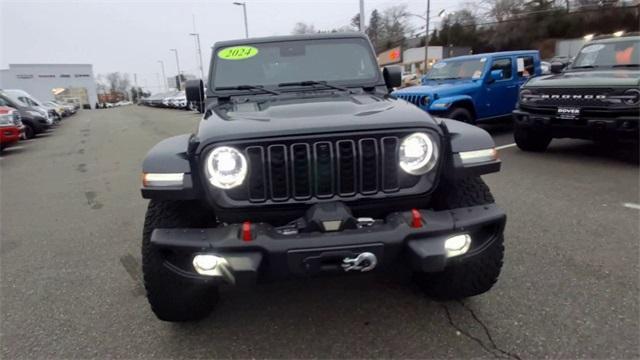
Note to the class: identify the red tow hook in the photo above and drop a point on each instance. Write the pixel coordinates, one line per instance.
(416, 218)
(246, 231)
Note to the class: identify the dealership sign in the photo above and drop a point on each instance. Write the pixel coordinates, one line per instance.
(391, 56)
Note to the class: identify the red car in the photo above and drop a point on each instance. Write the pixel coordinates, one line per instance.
(11, 127)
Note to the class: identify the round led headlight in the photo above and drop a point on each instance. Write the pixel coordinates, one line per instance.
(418, 154)
(226, 167)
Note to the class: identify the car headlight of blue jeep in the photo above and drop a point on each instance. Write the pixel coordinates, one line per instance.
(425, 100)
(226, 167)
(418, 154)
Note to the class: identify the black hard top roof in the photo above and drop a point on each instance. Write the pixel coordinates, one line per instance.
(260, 40)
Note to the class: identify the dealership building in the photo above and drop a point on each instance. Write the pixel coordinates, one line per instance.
(412, 58)
(52, 81)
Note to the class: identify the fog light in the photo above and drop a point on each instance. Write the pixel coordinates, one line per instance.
(332, 225)
(205, 264)
(457, 245)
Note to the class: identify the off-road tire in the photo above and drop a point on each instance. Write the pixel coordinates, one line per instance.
(475, 275)
(529, 139)
(172, 297)
(461, 114)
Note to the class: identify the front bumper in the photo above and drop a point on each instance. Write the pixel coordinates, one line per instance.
(584, 127)
(271, 255)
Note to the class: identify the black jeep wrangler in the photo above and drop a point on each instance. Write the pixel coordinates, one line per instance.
(596, 98)
(303, 165)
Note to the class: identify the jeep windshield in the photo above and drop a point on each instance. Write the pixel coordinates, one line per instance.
(457, 69)
(346, 61)
(621, 53)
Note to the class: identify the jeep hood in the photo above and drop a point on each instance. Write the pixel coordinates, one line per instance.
(443, 88)
(267, 116)
(589, 78)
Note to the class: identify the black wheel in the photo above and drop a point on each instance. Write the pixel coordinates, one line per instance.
(461, 114)
(172, 298)
(29, 131)
(474, 275)
(529, 139)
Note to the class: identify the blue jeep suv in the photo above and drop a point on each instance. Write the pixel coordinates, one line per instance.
(474, 87)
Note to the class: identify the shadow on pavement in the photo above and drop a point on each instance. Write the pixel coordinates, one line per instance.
(578, 150)
(12, 150)
(498, 127)
(362, 316)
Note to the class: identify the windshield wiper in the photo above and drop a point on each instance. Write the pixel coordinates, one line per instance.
(248, 87)
(311, 83)
(584, 67)
(626, 65)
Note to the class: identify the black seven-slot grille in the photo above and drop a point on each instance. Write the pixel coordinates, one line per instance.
(322, 168)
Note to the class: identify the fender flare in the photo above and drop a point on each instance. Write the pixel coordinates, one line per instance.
(171, 155)
(446, 103)
(465, 138)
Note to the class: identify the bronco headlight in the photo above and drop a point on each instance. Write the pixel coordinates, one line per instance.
(418, 154)
(525, 95)
(226, 167)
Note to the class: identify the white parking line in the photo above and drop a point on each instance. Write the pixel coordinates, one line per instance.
(505, 146)
(631, 206)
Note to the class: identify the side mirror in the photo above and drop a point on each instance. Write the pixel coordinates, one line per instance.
(557, 67)
(392, 76)
(194, 91)
(495, 75)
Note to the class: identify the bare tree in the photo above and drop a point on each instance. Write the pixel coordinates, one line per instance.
(303, 28)
(500, 10)
(394, 25)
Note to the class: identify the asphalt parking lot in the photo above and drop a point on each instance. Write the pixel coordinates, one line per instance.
(71, 223)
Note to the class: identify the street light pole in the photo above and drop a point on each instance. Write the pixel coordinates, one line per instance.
(199, 53)
(177, 60)
(244, 10)
(362, 24)
(164, 76)
(178, 66)
(426, 38)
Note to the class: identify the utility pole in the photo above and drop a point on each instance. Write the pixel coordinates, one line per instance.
(199, 49)
(362, 23)
(164, 76)
(178, 66)
(244, 10)
(426, 37)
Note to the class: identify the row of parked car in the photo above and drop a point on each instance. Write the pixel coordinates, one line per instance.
(594, 96)
(22, 116)
(172, 99)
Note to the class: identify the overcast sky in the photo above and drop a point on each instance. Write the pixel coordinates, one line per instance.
(131, 36)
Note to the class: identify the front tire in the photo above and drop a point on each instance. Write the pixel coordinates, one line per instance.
(529, 139)
(172, 297)
(29, 132)
(474, 275)
(461, 114)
